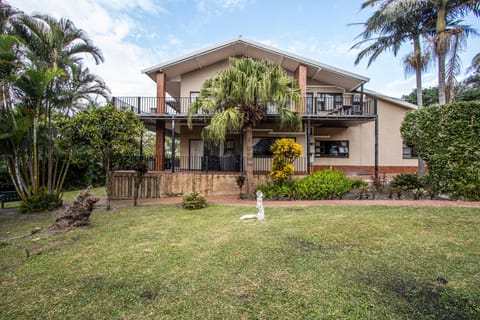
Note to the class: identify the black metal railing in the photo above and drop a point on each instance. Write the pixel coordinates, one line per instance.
(234, 163)
(346, 105)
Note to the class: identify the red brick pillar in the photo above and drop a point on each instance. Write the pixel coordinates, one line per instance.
(159, 145)
(301, 77)
(161, 93)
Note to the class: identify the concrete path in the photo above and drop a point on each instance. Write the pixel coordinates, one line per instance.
(234, 200)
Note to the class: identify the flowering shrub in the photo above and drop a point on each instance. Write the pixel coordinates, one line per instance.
(285, 152)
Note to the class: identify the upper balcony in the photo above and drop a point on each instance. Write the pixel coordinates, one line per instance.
(340, 106)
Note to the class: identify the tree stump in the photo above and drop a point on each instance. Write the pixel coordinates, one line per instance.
(78, 213)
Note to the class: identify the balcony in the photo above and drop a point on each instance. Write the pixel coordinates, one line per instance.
(329, 106)
(261, 165)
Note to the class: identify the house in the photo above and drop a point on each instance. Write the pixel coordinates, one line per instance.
(345, 126)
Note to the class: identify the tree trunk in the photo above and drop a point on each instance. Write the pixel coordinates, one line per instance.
(418, 75)
(108, 176)
(138, 181)
(49, 152)
(441, 47)
(35, 151)
(248, 142)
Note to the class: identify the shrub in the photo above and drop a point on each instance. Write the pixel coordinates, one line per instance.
(446, 137)
(407, 181)
(193, 201)
(359, 183)
(326, 184)
(279, 191)
(285, 151)
(40, 202)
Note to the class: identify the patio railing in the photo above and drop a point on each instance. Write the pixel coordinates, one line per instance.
(347, 105)
(261, 165)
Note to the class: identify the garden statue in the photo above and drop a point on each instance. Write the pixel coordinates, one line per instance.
(261, 213)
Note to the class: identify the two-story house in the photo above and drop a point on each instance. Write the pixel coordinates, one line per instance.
(345, 126)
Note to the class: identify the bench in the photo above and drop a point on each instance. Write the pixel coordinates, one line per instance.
(8, 196)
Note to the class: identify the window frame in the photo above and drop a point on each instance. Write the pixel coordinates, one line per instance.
(339, 144)
(411, 154)
(274, 139)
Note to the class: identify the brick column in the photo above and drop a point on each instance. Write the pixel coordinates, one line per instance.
(301, 77)
(159, 145)
(161, 93)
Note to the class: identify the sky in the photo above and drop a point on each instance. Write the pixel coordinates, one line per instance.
(136, 34)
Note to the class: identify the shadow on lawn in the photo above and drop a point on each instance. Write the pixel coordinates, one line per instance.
(420, 299)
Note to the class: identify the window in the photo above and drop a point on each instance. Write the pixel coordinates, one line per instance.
(329, 101)
(261, 146)
(408, 152)
(194, 95)
(331, 149)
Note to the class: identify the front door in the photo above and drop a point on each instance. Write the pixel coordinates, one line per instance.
(196, 154)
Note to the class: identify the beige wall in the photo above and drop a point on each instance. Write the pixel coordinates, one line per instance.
(193, 81)
(362, 140)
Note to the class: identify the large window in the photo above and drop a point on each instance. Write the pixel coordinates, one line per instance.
(331, 149)
(261, 146)
(408, 152)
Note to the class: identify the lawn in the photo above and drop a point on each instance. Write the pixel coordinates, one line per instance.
(163, 262)
(68, 196)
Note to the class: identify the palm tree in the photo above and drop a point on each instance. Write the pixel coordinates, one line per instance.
(80, 91)
(31, 88)
(8, 16)
(387, 30)
(237, 98)
(59, 44)
(446, 35)
(449, 33)
(476, 63)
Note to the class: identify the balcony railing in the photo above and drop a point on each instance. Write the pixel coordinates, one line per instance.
(347, 105)
(261, 165)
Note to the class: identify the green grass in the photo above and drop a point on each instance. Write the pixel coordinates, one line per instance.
(162, 262)
(67, 196)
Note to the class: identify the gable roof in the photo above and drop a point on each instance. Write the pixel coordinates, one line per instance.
(396, 101)
(247, 48)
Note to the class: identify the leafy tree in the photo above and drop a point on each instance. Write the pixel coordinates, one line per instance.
(108, 131)
(466, 90)
(41, 75)
(237, 98)
(469, 89)
(430, 96)
(447, 136)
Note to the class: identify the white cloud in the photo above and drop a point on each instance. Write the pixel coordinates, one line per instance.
(109, 25)
(270, 43)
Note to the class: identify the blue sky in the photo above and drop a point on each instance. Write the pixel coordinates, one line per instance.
(136, 34)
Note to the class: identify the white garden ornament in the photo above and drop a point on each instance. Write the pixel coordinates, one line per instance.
(261, 213)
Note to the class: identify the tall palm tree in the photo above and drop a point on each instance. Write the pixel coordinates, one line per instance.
(390, 27)
(446, 35)
(237, 98)
(448, 32)
(32, 87)
(59, 44)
